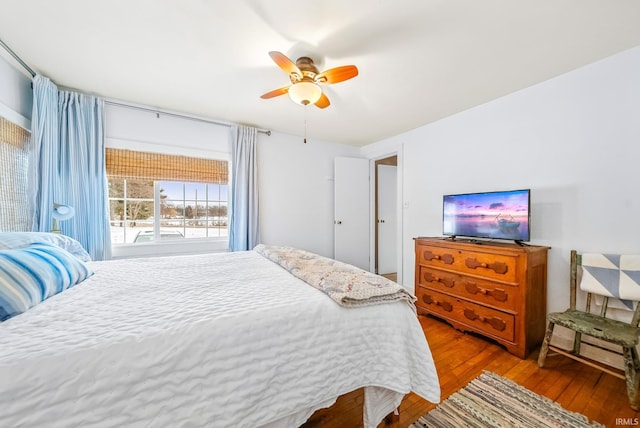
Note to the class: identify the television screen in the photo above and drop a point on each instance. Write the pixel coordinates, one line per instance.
(499, 215)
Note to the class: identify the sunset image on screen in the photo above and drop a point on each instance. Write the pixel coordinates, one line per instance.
(503, 215)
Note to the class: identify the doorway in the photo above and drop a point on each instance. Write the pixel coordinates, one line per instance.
(385, 217)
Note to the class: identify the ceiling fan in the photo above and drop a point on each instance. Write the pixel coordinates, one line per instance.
(306, 80)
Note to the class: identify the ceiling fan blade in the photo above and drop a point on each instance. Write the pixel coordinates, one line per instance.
(275, 92)
(338, 74)
(285, 63)
(323, 102)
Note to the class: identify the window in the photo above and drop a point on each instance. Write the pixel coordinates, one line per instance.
(156, 197)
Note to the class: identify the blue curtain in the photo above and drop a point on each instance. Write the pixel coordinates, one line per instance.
(82, 171)
(243, 231)
(69, 159)
(43, 154)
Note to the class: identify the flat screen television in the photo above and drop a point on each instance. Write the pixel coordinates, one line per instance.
(493, 215)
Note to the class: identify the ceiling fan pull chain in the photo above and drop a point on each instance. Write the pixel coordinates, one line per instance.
(305, 124)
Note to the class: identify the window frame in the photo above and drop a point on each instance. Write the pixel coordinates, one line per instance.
(183, 246)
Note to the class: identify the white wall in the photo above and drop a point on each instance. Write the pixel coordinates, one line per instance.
(296, 191)
(15, 94)
(573, 140)
(137, 129)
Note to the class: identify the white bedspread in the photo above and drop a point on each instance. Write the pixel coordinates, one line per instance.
(223, 340)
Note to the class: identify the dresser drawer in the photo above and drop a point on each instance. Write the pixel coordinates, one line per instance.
(479, 290)
(489, 265)
(436, 256)
(484, 320)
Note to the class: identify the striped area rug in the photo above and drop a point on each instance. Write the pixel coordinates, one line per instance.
(493, 401)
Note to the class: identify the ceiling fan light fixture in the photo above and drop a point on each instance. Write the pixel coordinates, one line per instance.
(305, 93)
(306, 81)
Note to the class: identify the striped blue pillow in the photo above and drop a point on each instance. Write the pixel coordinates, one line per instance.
(11, 240)
(32, 274)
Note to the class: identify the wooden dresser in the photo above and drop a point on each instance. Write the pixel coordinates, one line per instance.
(498, 290)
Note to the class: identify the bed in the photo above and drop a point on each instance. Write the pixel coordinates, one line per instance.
(217, 340)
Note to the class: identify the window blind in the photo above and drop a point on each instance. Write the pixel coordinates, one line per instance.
(12, 134)
(14, 160)
(135, 165)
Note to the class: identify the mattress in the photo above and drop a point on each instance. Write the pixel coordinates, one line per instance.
(217, 340)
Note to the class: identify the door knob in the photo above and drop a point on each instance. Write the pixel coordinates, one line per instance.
(337, 222)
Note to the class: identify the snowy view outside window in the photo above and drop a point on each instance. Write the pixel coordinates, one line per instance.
(147, 211)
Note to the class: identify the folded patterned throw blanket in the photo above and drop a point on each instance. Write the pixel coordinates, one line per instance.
(346, 284)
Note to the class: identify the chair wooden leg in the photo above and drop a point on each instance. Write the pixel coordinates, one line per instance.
(631, 367)
(576, 343)
(544, 349)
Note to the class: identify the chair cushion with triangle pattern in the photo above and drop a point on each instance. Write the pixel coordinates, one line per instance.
(612, 275)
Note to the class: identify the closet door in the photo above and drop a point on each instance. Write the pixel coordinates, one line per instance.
(351, 208)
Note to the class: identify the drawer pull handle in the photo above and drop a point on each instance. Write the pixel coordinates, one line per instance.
(430, 300)
(498, 294)
(497, 267)
(445, 258)
(494, 322)
(447, 282)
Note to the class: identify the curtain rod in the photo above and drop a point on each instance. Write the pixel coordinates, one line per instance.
(115, 103)
(17, 58)
(178, 115)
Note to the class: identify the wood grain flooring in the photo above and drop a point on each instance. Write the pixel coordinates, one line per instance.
(460, 357)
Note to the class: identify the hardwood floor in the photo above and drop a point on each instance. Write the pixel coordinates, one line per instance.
(460, 357)
(392, 276)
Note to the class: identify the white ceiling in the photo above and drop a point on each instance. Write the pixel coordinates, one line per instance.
(419, 60)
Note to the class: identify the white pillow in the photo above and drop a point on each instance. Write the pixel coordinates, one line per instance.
(11, 240)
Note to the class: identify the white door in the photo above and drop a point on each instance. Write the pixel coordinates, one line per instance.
(387, 219)
(351, 208)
